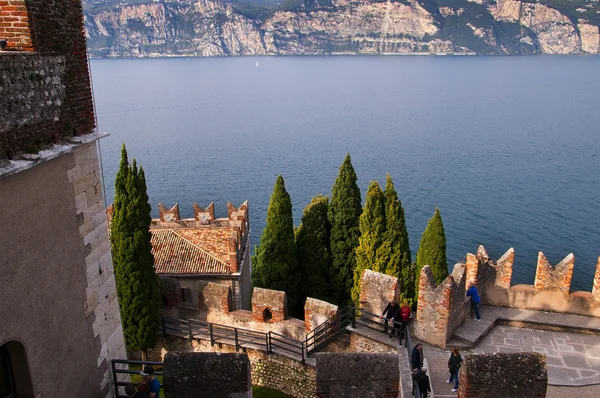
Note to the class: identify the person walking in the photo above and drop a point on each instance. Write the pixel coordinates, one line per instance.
(424, 386)
(391, 311)
(416, 357)
(474, 294)
(404, 318)
(454, 364)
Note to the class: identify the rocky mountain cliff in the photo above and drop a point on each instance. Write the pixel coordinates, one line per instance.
(215, 28)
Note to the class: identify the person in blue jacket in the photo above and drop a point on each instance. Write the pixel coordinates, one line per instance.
(474, 294)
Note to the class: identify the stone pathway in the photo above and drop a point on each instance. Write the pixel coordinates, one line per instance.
(573, 359)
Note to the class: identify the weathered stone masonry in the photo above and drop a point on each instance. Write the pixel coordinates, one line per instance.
(101, 292)
(55, 100)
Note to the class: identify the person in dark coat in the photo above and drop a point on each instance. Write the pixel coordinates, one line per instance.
(416, 358)
(391, 311)
(423, 381)
(454, 364)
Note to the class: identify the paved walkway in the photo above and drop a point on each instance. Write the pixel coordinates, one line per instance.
(572, 359)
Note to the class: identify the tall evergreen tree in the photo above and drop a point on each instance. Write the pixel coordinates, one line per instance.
(313, 253)
(372, 236)
(274, 262)
(137, 283)
(343, 214)
(395, 251)
(432, 251)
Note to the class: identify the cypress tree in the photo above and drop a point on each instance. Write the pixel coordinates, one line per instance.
(372, 236)
(395, 252)
(274, 261)
(313, 254)
(343, 214)
(432, 251)
(137, 283)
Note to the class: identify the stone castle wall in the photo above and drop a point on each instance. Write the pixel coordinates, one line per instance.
(442, 309)
(44, 85)
(101, 303)
(268, 370)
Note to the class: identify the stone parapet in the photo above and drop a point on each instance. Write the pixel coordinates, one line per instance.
(503, 376)
(337, 375)
(441, 309)
(269, 305)
(557, 278)
(202, 374)
(377, 290)
(316, 312)
(214, 297)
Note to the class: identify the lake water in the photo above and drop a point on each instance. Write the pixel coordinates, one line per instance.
(506, 147)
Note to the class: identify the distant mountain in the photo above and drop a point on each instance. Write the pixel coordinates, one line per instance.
(269, 27)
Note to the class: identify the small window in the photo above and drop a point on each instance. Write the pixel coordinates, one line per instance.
(186, 295)
(267, 315)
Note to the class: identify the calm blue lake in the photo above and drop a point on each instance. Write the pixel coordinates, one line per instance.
(506, 147)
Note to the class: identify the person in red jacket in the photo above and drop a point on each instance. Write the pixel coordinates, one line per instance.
(405, 318)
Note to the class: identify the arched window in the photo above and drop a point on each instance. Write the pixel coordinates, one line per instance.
(267, 315)
(15, 380)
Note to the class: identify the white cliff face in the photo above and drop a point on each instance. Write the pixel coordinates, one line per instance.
(590, 37)
(359, 27)
(212, 28)
(556, 34)
(506, 10)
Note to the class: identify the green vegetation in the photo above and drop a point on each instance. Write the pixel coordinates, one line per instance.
(137, 283)
(395, 252)
(432, 251)
(263, 392)
(274, 261)
(313, 254)
(372, 235)
(343, 214)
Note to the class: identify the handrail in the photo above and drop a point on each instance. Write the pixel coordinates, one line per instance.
(116, 371)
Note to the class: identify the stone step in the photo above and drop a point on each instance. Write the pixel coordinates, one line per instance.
(472, 330)
(458, 343)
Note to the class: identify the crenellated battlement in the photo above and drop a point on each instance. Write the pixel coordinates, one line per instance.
(443, 308)
(440, 309)
(554, 278)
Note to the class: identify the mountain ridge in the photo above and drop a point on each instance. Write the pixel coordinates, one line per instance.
(322, 27)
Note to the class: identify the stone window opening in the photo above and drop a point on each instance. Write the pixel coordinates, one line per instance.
(15, 379)
(267, 315)
(17, 27)
(186, 295)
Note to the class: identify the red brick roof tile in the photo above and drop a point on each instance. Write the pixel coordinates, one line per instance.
(189, 251)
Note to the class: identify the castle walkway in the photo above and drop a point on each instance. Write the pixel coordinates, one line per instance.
(571, 344)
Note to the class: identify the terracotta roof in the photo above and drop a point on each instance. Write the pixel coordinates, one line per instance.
(181, 251)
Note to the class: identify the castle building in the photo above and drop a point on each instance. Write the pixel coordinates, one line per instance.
(203, 249)
(59, 314)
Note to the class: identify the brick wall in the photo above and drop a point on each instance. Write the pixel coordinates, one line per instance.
(14, 25)
(268, 305)
(441, 309)
(57, 31)
(500, 375)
